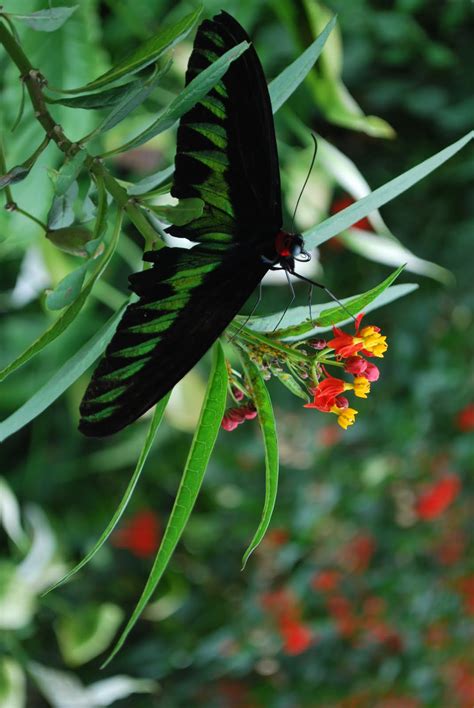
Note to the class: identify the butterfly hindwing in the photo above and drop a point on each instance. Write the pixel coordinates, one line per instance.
(186, 300)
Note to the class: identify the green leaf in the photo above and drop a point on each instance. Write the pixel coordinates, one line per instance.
(16, 174)
(61, 213)
(137, 94)
(87, 632)
(290, 78)
(70, 314)
(97, 100)
(70, 239)
(148, 184)
(263, 404)
(62, 379)
(389, 251)
(147, 53)
(67, 289)
(189, 96)
(290, 383)
(47, 20)
(187, 210)
(147, 445)
(297, 319)
(68, 172)
(198, 458)
(362, 208)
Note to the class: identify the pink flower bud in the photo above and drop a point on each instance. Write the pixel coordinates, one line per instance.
(237, 393)
(228, 424)
(342, 402)
(371, 372)
(318, 343)
(355, 365)
(250, 413)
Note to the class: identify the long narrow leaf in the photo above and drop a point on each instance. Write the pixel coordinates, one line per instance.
(196, 464)
(147, 445)
(290, 78)
(337, 223)
(263, 404)
(62, 379)
(129, 102)
(189, 96)
(146, 54)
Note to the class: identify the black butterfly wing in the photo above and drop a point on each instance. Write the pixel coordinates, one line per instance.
(226, 155)
(186, 300)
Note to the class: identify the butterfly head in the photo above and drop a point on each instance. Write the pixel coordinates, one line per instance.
(290, 248)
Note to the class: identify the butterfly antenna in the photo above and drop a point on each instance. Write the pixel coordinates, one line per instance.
(331, 295)
(313, 159)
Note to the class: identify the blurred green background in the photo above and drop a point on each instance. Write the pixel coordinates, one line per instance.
(362, 593)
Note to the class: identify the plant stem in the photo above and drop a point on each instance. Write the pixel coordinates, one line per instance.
(255, 338)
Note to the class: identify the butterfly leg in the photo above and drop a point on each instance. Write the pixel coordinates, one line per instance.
(257, 303)
(292, 297)
(310, 302)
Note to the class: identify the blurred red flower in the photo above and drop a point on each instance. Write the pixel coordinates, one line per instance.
(466, 587)
(141, 534)
(358, 553)
(344, 202)
(451, 548)
(277, 537)
(297, 637)
(465, 418)
(435, 500)
(326, 580)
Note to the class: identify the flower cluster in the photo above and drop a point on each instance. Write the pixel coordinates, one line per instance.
(352, 350)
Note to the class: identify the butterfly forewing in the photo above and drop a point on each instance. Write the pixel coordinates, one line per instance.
(226, 152)
(226, 156)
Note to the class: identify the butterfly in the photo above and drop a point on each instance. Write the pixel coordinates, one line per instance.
(227, 157)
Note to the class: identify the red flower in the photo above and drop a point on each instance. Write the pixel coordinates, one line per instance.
(297, 637)
(436, 500)
(358, 553)
(341, 204)
(345, 345)
(326, 580)
(466, 587)
(277, 537)
(465, 418)
(141, 535)
(325, 394)
(329, 435)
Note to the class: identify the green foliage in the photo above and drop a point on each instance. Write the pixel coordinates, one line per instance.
(401, 64)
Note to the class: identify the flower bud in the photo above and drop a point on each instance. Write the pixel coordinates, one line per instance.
(355, 365)
(371, 372)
